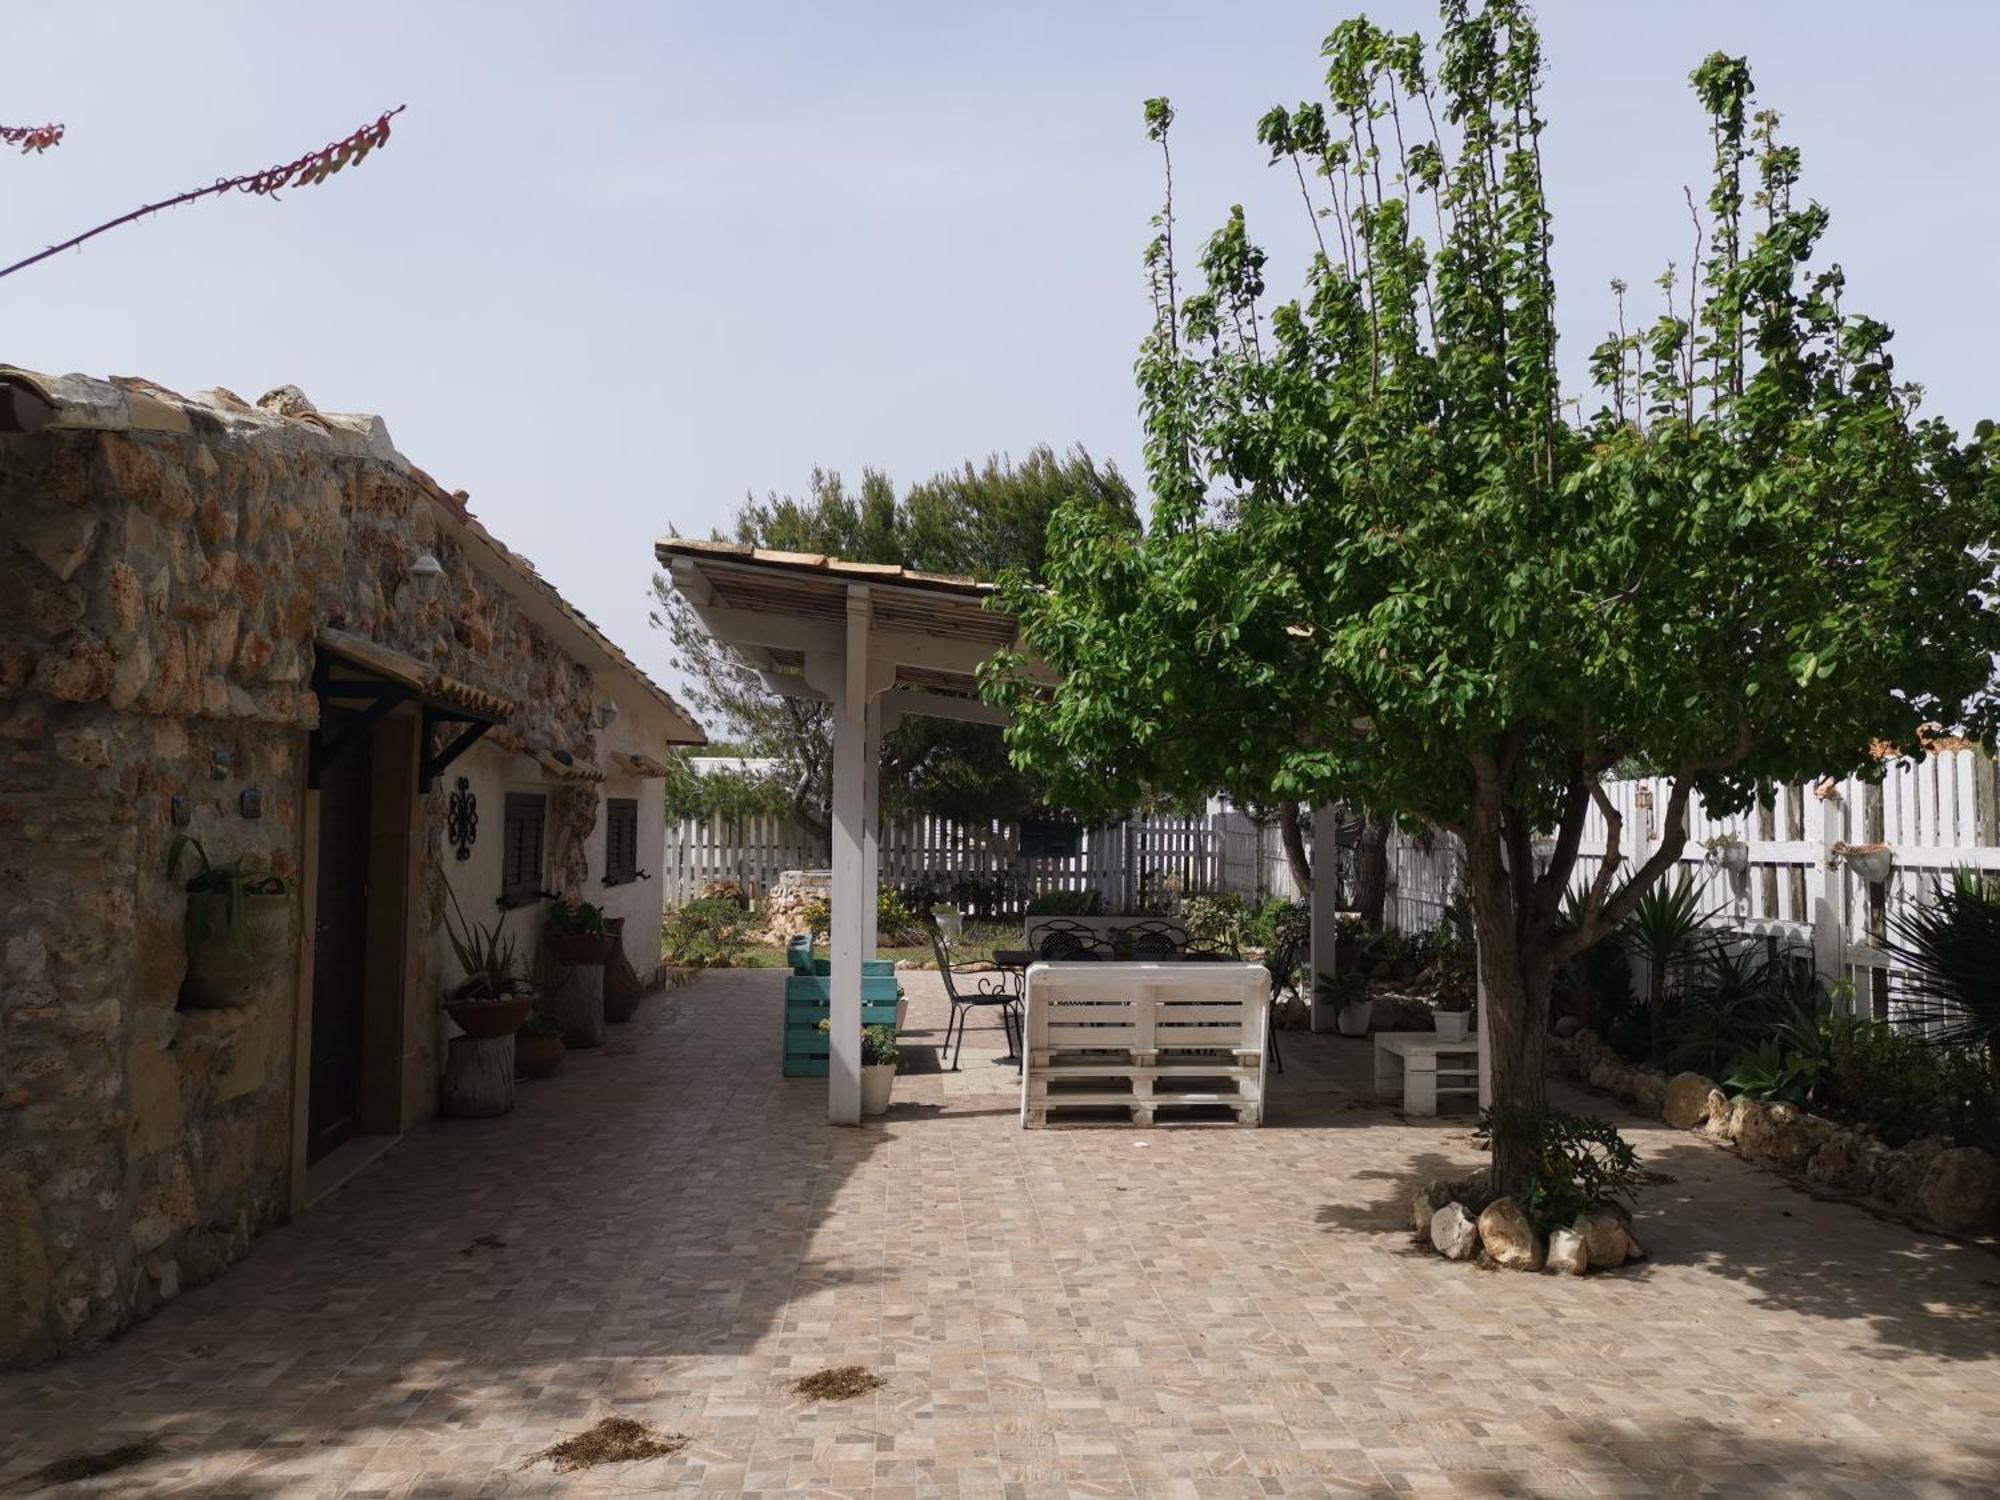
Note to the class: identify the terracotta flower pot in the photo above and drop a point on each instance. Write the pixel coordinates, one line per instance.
(579, 948)
(537, 1056)
(220, 973)
(482, 1020)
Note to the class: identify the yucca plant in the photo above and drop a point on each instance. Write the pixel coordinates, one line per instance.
(486, 954)
(1948, 951)
(1666, 928)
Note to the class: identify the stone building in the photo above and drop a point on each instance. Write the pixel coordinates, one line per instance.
(261, 625)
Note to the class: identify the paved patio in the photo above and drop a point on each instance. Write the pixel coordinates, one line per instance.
(668, 1230)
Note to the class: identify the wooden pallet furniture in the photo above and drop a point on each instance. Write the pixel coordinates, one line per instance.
(1144, 1044)
(809, 1001)
(1422, 1069)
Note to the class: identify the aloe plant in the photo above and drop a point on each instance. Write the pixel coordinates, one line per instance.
(486, 954)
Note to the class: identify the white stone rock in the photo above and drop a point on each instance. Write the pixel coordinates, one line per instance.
(1509, 1238)
(1454, 1232)
(1569, 1253)
(1604, 1236)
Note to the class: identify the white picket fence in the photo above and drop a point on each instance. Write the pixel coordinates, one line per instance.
(1130, 862)
(1937, 815)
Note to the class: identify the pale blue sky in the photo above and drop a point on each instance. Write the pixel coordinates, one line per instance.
(623, 263)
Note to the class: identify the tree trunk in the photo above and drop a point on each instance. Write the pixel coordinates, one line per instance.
(478, 1077)
(1515, 981)
(1295, 848)
(1371, 869)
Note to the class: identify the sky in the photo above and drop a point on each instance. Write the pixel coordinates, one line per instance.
(623, 264)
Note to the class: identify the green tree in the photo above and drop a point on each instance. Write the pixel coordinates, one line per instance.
(1380, 525)
(978, 520)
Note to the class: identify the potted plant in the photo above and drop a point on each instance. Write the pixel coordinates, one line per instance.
(1729, 851)
(879, 1057)
(1453, 1015)
(1346, 993)
(622, 990)
(538, 1047)
(577, 932)
(237, 926)
(494, 998)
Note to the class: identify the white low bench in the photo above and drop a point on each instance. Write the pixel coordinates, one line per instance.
(1144, 1043)
(1423, 1069)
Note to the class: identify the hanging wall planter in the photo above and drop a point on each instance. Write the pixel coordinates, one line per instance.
(1871, 862)
(1731, 853)
(238, 929)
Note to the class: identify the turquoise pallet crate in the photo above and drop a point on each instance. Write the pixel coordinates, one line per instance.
(807, 1003)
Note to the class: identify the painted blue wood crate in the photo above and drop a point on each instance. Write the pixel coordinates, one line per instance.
(809, 1000)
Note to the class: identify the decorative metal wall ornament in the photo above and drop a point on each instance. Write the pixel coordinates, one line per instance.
(461, 819)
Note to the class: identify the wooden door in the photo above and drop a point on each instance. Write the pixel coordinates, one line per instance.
(340, 941)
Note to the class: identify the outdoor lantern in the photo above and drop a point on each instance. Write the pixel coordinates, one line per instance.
(425, 574)
(606, 712)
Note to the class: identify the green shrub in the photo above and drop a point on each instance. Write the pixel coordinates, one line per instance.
(709, 934)
(1213, 921)
(1580, 1162)
(896, 926)
(1275, 921)
(1067, 904)
(1884, 1079)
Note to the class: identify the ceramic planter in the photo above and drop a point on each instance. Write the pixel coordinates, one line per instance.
(1353, 1017)
(537, 1056)
(1453, 1025)
(876, 1082)
(622, 989)
(902, 1011)
(577, 948)
(483, 1020)
(1871, 862)
(221, 973)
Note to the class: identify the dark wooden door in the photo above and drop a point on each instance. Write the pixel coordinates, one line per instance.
(340, 941)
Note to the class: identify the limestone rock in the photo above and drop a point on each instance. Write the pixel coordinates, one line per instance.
(1569, 1253)
(1454, 1232)
(77, 671)
(1840, 1162)
(1775, 1132)
(1961, 1190)
(1720, 1113)
(1568, 1026)
(1605, 1238)
(1509, 1238)
(1687, 1102)
(1424, 1204)
(60, 540)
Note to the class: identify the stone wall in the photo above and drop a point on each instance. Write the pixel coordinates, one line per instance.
(159, 595)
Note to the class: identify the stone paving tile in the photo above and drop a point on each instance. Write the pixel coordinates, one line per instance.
(1172, 1313)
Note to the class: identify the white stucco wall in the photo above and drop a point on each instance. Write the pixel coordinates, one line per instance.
(490, 775)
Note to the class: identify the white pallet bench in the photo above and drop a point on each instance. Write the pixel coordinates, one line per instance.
(1423, 1070)
(1144, 1044)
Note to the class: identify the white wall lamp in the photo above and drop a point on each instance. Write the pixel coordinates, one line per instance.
(426, 573)
(607, 712)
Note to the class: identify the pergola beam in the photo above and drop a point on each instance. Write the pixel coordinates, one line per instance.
(901, 702)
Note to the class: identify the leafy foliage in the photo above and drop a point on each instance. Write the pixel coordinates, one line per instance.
(879, 1048)
(1577, 1162)
(706, 934)
(1384, 567)
(1948, 950)
(486, 957)
(1067, 904)
(576, 918)
(976, 520)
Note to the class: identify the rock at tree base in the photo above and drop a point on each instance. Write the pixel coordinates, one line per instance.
(1454, 1232)
(1568, 1253)
(1509, 1238)
(1424, 1204)
(1687, 1101)
(1605, 1239)
(1961, 1189)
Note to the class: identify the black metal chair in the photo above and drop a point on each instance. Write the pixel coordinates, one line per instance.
(1150, 942)
(1283, 962)
(1067, 942)
(990, 987)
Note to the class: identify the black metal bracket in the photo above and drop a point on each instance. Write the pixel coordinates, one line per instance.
(464, 740)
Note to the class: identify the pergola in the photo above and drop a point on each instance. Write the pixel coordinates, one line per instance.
(875, 642)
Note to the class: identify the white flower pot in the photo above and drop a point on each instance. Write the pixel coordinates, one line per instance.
(1872, 865)
(1453, 1025)
(1353, 1018)
(902, 1012)
(876, 1083)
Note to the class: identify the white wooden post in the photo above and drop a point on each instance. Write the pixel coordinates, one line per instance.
(850, 894)
(1826, 891)
(1325, 910)
(871, 826)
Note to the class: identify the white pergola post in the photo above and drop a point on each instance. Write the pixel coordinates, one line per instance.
(850, 872)
(871, 827)
(1325, 908)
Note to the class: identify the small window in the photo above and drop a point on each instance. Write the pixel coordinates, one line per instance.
(521, 849)
(621, 840)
